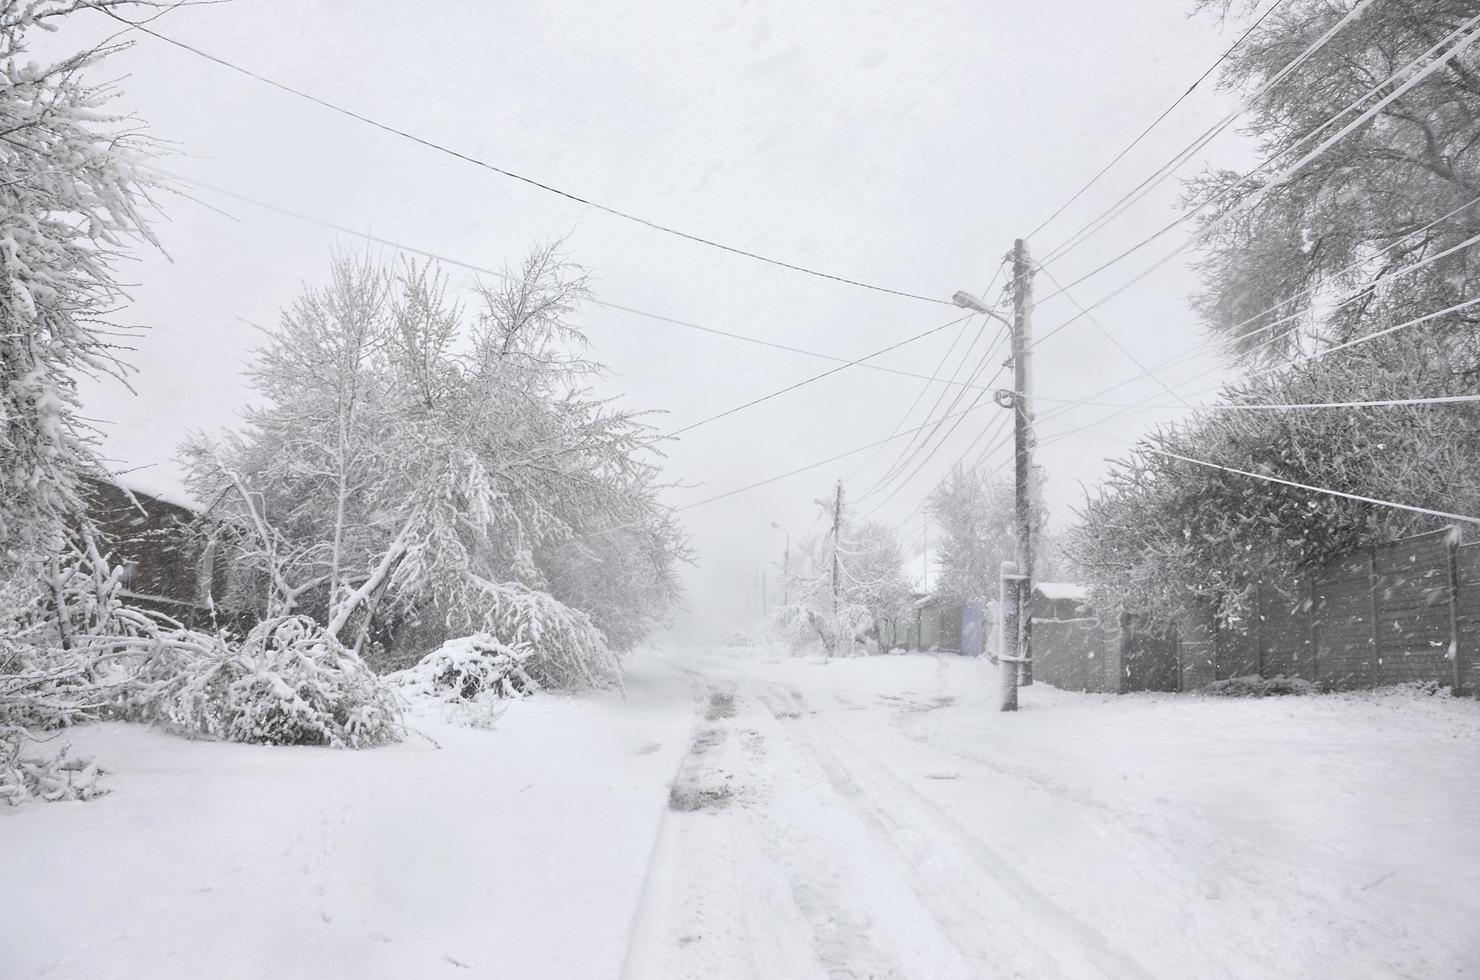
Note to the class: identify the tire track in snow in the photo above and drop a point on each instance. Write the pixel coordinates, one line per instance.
(1191, 856)
(698, 915)
(752, 887)
(982, 947)
(901, 822)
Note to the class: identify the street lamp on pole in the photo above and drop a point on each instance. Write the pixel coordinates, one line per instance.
(785, 564)
(1020, 400)
(967, 301)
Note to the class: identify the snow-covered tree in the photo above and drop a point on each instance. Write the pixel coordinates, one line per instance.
(1162, 535)
(74, 193)
(1370, 234)
(1361, 217)
(976, 518)
(847, 584)
(411, 465)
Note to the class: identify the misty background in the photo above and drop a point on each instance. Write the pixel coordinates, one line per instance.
(811, 133)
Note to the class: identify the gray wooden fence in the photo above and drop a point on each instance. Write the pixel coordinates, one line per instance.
(1407, 610)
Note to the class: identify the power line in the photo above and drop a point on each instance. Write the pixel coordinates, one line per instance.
(1157, 121)
(800, 469)
(912, 452)
(1365, 260)
(944, 439)
(1148, 372)
(1352, 298)
(1273, 407)
(924, 500)
(500, 274)
(532, 182)
(926, 387)
(1274, 479)
(1317, 355)
(1115, 416)
(824, 374)
(1208, 135)
(919, 396)
(1314, 489)
(844, 364)
(906, 480)
(1258, 195)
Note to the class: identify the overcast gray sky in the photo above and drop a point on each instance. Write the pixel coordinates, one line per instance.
(902, 143)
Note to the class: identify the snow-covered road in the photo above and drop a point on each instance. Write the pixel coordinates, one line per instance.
(877, 818)
(743, 815)
(806, 856)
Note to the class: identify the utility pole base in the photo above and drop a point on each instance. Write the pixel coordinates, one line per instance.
(1011, 653)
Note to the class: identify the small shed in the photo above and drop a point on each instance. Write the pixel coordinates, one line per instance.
(1060, 600)
(938, 622)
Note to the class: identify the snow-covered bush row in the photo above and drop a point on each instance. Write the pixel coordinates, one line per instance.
(467, 669)
(288, 683)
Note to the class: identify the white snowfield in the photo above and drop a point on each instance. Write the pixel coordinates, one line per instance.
(739, 815)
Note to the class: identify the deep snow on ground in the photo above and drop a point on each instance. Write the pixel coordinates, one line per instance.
(741, 814)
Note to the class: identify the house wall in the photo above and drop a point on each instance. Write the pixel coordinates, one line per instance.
(166, 569)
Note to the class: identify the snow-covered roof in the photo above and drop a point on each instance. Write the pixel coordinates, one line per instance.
(1053, 591)
(152, 482)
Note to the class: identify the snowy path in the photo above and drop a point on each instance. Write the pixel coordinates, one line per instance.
(738, 816)
(879, 820)
(851, 869)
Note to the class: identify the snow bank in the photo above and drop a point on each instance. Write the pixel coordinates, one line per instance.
(516, 853)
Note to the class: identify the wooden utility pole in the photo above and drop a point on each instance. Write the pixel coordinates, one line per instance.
(1022, 372)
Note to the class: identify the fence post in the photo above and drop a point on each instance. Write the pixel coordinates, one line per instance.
(1314, 626)
(1451, 553)
(1375, 660)
(1258, 613)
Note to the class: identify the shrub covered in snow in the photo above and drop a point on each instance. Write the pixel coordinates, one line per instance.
(469, 668)
(1254, 686)
(810, 629)
(24, 777)
(288, 683)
